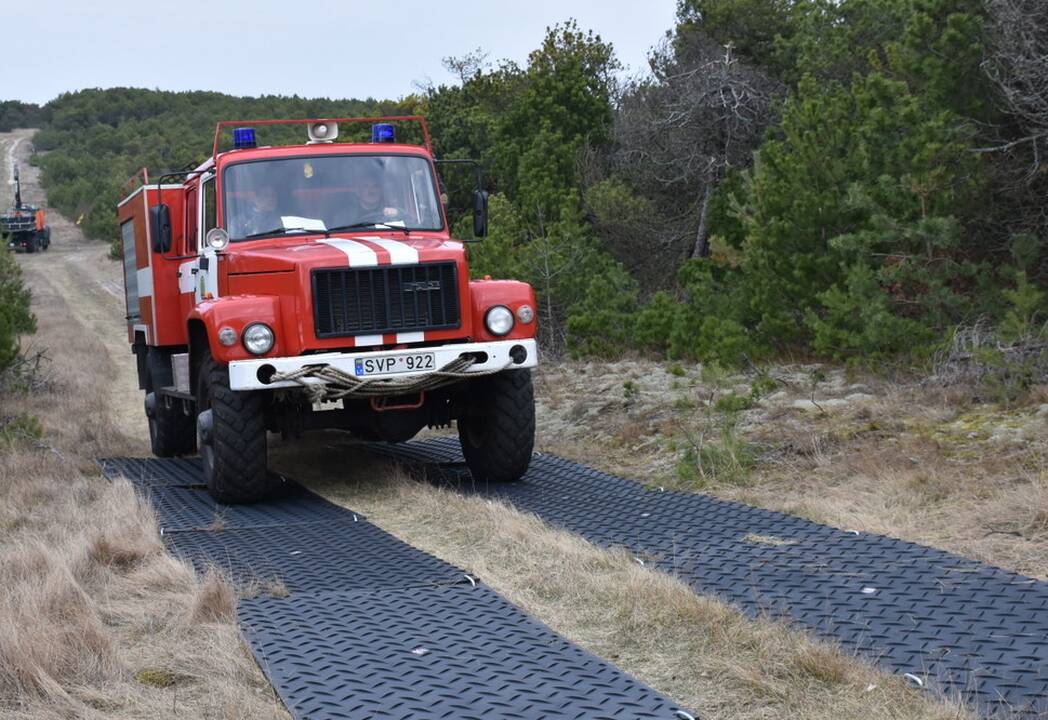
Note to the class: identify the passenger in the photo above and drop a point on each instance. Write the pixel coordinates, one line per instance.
(262, 215)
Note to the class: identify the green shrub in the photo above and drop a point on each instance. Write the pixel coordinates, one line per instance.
(709, 324)
(1027, 314)
(727, 459)
(601, 322)
(653, 323)
(761, 386)
(857, 320)
(16, 319)
(20, 428)
(732, 402)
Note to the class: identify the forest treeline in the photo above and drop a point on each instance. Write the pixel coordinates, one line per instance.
(849, 179)
(18, 114)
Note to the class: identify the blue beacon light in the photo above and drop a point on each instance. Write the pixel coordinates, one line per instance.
(244, 138)
(383, 133)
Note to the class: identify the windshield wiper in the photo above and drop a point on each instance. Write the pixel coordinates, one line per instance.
(274, 231)
(361, 225)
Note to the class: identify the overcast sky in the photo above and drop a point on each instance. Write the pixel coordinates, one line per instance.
(313, 48)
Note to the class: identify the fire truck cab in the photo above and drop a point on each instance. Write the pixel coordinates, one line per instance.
(316, 285)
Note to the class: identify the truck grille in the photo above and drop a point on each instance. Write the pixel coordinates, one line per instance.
(17, 223)
(376, 300)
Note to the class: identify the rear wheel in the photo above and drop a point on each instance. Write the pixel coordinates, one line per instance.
(231, 434)
(497, 431)
(171, 431)
(45, 238)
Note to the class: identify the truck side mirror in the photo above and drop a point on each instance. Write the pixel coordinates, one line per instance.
(480, 213)
(160, 227)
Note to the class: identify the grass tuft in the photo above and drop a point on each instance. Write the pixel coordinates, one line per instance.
(158, 677)
(215, 600)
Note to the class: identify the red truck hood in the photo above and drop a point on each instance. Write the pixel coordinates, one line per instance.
(358, 250)
(284, 268)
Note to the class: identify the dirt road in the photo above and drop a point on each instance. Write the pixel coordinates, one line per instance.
(78, 273)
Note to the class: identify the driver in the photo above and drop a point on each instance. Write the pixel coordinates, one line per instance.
(371, 205)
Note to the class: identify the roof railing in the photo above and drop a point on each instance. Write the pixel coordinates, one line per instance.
(427, 141)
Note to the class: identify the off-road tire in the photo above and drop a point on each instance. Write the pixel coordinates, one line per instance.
(234, 459)
(497, 431)
(31, 244)
(45, 236)
(171, 431)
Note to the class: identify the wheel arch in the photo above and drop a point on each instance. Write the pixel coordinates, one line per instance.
(199, 346)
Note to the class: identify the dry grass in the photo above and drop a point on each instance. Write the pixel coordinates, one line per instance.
(95, 619)
(699, 651)
(926, 468)
(921, 463)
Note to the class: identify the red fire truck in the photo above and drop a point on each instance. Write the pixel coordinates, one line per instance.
(316, 285)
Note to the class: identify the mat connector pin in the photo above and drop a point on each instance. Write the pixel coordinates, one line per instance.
(914, 679)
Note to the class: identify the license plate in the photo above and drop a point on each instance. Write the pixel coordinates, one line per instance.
(391, 364)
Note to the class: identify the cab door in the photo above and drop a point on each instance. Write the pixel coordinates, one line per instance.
(189, 248)
(206, 285)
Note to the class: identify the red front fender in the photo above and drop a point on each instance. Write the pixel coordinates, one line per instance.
(485, 294)
(238, 312)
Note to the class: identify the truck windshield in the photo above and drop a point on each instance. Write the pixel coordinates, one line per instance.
(314, 194)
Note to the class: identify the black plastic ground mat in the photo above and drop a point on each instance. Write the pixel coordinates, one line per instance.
(176, 488)
(151, 472)
(181, 508)
(972, 630)
(454, 652)
(312, 557)
(371, 627)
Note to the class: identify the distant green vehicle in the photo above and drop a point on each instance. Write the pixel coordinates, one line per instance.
(23, 227)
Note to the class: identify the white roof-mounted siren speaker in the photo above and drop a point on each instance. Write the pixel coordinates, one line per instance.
(322, 132)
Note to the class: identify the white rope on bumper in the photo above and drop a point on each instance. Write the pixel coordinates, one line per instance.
(336, 384)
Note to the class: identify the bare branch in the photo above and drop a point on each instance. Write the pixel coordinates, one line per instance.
(704, 113)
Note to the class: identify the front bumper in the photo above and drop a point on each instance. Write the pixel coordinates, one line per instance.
(247, 374)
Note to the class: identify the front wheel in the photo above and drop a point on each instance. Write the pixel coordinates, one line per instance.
(497, 430)
(231, 435)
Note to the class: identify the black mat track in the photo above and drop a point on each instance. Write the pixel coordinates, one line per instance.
(371, 627)
(969, 629)
(462, 653)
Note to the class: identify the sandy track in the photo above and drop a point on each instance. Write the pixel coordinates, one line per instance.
(79, 274)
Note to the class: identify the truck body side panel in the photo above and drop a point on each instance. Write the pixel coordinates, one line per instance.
(150, 280)
(168, 321)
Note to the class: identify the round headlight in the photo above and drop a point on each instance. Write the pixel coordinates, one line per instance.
(258, 338)
(217, 238)
(525, 314)
(499, 320)
(227, 336)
